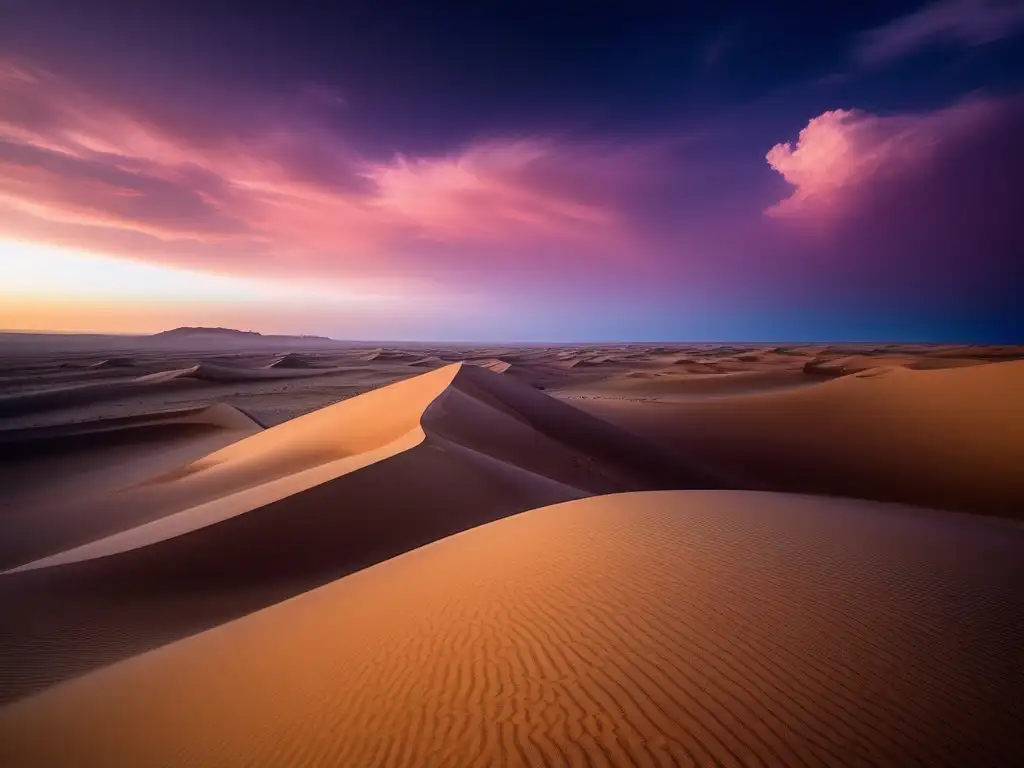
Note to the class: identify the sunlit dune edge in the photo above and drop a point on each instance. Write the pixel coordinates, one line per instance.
(463, 406)
(51, 477)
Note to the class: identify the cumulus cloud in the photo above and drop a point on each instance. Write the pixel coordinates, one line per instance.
(918, 210)
(843, 153)
(964, 22)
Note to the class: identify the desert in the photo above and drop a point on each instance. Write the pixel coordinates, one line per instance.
(616, 555)
(398, 384)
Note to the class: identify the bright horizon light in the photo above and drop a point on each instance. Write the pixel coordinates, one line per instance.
(37, 271)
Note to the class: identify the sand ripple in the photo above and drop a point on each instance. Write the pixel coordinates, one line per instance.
(654, 629)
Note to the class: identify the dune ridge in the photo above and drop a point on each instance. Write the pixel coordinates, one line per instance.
(97, 459)
(641, 629)
(448, 404)
(306, 502)
(494, 364)
(98, 391)
(217, 415)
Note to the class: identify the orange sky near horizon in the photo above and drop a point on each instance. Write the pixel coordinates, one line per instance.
(48, 288)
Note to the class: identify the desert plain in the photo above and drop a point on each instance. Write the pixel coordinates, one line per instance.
(221, 549)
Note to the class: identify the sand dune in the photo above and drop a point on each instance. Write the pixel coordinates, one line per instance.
(431, 361)
(950, 439)
(994, 352)
(52, 478)
(54, 398)
(669, 386)
(679, 628)
(291, 360)
(211, 372)
(398, 355)
(278, 382)
(495, 365)
(131, 520)
(114, 362)
(219, 415)
(491, 424)
(98, 391)
(305, 502)
(844, 366)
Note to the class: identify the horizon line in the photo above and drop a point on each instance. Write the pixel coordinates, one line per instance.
(513, 342)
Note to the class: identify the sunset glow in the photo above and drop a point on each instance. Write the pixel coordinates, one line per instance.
(828, 213)
(40, 271)
(89, 292)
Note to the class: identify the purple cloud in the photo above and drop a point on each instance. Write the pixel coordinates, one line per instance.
(287, 186)
(905, 205)
(966, 22)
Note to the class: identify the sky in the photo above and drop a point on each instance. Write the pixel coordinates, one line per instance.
(627, 171)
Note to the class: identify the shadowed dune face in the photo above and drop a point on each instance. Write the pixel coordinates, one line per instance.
(52, 479)
(166, 381)
(709, 628)
(950, 439)
(682, 384)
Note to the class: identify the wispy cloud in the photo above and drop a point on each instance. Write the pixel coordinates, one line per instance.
(291, 188)
(492, 190)
(964, 22)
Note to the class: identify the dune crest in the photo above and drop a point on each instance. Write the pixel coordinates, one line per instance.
(462, 408)
(496, 365)
(78, 394)
(59, 483)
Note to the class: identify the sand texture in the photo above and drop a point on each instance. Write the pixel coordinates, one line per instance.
(233, 550)
(675, 628)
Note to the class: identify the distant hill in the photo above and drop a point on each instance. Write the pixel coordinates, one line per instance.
(199, 331)
(228, 334)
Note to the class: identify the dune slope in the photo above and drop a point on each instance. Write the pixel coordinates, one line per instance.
(51, 477)
(651, 629)
(685, 385)
(305, 502)
(949, 439)
(98, 390)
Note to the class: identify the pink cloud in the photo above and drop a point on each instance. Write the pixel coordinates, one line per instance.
(488, 193)
(290, 188)
(62, 188)
(917, 207)
(841, 155)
